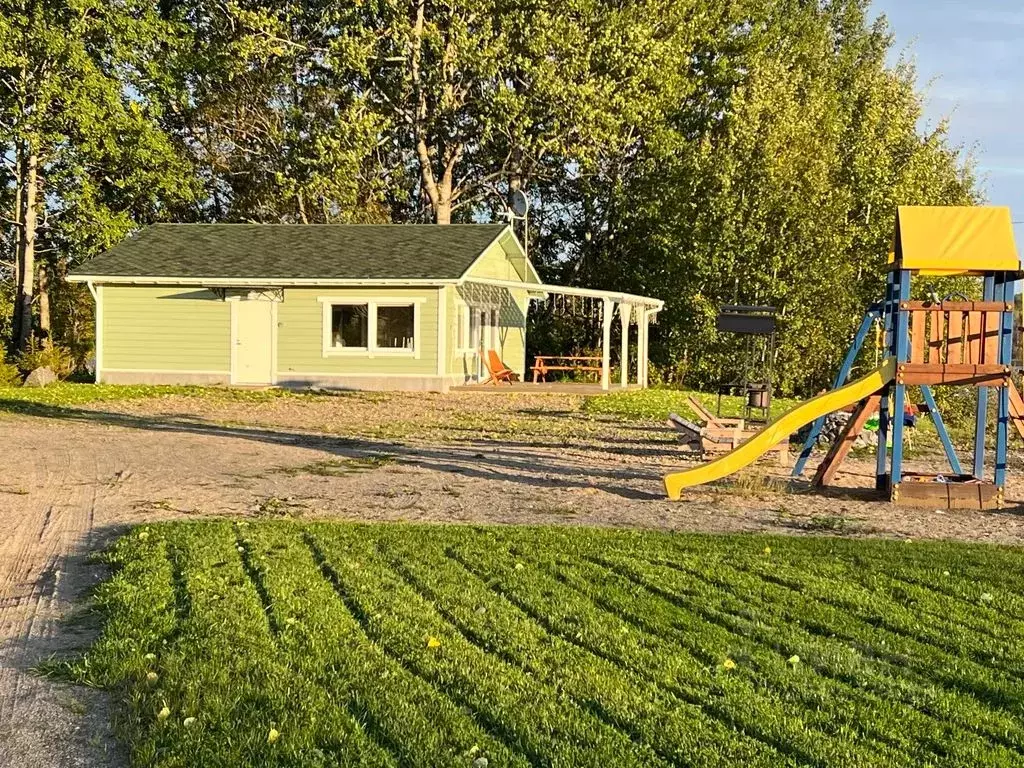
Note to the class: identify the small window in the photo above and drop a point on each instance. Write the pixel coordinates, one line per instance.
(350, 325)
(396, 326)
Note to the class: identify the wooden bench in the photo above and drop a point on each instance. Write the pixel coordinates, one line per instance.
(544, 363)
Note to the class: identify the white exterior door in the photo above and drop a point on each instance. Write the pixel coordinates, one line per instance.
(253, 331)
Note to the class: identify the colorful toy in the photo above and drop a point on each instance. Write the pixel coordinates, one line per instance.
(927, 343)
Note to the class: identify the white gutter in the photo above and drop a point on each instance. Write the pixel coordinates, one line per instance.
(262, 282)
(622, 298)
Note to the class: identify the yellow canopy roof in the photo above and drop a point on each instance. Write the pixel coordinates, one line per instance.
(955, 241)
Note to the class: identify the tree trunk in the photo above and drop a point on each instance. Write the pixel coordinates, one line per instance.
(45, 328)
(16, 324)
(23, 300)
(443, 209)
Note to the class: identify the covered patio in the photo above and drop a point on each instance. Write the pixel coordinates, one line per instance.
(629, 310)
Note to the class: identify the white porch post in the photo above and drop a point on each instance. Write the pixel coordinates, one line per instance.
(625, 315)
(642, 328)
(606, 343)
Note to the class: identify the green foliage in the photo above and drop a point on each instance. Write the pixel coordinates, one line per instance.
(57, 359)
(275, 643)
(783, 192)
(657, 403)
(704, 153)
(10, 375)
(68, 394)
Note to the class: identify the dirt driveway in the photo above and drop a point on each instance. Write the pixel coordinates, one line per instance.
(73, 477)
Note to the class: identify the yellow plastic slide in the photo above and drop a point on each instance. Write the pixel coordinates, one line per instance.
(780, 429)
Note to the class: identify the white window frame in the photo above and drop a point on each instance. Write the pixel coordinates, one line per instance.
(372, 350)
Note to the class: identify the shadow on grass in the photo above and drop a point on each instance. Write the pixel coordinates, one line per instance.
(495, 460)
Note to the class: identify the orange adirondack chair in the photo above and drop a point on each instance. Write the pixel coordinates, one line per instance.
(498, 370)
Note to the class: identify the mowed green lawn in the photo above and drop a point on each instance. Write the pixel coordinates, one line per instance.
(270, 644)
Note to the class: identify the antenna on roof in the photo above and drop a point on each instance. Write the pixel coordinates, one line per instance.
(518, 209)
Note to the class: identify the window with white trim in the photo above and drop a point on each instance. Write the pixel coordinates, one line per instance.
(350, 325)
(396, 326)
(369, 327)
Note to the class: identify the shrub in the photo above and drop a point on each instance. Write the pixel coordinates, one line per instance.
(58, 359)
(10, 376)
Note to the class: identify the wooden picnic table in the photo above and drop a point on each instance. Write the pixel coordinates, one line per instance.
(544, 363)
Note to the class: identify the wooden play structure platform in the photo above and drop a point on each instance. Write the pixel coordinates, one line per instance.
(952, 341)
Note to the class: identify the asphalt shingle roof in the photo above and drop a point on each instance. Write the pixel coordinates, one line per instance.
(297, 251)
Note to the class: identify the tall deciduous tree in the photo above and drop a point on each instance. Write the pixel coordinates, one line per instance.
(81, 152)
(264, 99)
(785, 196)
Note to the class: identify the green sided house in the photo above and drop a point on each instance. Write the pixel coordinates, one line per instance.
(395, 307)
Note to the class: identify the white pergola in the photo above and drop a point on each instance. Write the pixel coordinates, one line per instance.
(631, 309)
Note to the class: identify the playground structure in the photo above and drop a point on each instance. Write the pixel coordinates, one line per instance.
(951, 341)
(756, 326)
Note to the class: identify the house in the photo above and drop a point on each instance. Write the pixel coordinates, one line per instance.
(400, 307)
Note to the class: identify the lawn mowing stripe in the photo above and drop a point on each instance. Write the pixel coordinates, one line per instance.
(984, 619)
(540, 720)
(808, 642)
(995, 686)
(844, 695)
(321, 639)
(226, 638)
(824, 621)
(139, 609)
(728, 697)
(676, 728)
(947, 635)
(1006, 605)
(599, 694)
(998, 570)
(937, 608)
(991, 681)
(233, 637)
(996, 725)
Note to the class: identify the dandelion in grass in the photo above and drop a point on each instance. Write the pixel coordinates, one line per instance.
(152, 677)
(433, 642)
(273, 735)
(144, 535)
(767, 550)
(164, 713)
(793, 660)
(729, 664)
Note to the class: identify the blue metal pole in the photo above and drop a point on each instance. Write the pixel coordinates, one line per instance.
(981, 416)
(901, 349)
(940, 427)
(1005, 287)
(874, 311)
(882, 454)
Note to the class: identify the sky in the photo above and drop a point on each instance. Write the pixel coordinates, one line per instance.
(969, 58)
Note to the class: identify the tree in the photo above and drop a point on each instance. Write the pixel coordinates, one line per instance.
(81, 152)
(263, 99)
(484, 97)
(785, 195)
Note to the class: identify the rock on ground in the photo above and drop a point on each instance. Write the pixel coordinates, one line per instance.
(41, 377)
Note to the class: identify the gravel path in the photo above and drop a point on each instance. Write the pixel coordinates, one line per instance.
(74, 478)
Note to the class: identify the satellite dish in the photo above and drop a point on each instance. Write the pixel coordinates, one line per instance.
(520, 205)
